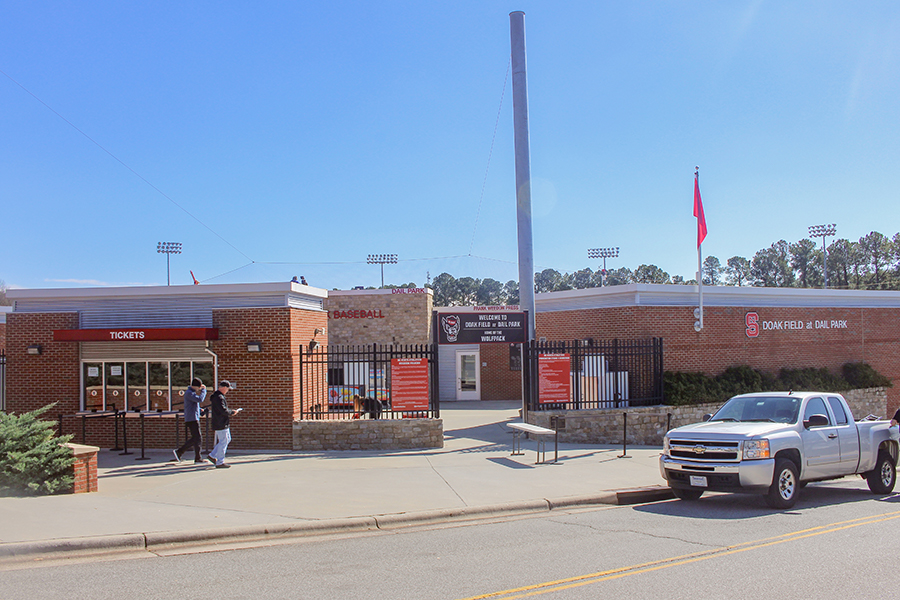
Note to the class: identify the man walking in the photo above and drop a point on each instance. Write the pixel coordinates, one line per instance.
(221, 419)
(193, 397)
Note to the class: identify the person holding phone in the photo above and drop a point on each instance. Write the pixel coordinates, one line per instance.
(193, 397)
(221, 421)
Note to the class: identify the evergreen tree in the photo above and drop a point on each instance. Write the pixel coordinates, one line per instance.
(32, 461)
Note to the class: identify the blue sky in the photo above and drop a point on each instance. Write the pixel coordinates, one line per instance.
(289, 138)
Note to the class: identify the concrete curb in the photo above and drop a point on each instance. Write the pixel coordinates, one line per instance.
(169, 540)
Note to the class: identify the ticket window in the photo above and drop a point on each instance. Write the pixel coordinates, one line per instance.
(93, 386)
(115, 386)
(181, 379)
(136, 381)
(158, 375)
(206, 372)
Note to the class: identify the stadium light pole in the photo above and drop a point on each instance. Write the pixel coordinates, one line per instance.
(168, 248)
(823, 231)
(382, 259)
(603, 253)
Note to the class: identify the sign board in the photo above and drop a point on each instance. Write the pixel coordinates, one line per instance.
(134, 335)
(409, 384)
(554, 378)
(481, 328)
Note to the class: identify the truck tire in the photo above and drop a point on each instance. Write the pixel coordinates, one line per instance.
(688, 495)
(785, 484)
(882, 478)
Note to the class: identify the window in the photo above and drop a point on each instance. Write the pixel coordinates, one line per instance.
(815, 406)
(141, 385)
(837, 407)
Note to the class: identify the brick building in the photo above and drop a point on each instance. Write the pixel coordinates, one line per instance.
(765, 328)
(138, 348)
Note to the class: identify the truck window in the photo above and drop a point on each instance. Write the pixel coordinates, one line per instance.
(815, 406)
(837, 407)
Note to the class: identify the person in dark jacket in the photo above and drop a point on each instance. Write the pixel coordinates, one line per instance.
(221, 421)
(896, 418)
(193, 397)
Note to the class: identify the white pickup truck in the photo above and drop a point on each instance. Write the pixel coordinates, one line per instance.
(774, 443)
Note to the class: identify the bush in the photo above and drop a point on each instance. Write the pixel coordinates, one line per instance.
(32, 461)
(696, 388)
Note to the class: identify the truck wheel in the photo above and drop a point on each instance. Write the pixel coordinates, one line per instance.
(882, 478)
(689, 495)
(785, 485)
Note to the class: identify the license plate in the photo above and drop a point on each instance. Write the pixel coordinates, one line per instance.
(698, 481)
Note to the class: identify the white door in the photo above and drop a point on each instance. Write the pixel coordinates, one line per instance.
(468, 375)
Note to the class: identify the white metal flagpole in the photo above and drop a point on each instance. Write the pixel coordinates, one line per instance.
(701, 235)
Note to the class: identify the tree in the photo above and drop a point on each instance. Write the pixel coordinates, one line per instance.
(650, 274)
(712, 270)
(806, 261)
(32, 461)
(737, 271)
(620, 276)
(583, 279)
(490, 292)
(876, 250)
(468, 290)
(547, 280)
(4, 301)
(511, 291)
(446, 292)
(840, 262)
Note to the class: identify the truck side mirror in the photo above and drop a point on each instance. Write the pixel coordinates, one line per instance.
(816, 421)
(707, 417)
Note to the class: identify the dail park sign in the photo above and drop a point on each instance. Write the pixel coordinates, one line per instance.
(754, 325)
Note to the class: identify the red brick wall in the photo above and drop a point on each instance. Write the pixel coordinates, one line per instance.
(497, 381)
(871, 335)
(85, 468)
(2, 337)
(267, 383)
(33, 381)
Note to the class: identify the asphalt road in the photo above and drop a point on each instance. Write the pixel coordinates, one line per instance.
(840, 541)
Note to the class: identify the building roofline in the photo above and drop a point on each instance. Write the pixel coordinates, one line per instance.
(241, 289)
(643, 294)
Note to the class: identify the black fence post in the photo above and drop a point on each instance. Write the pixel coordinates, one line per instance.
(142, 457)
(115, 410)
(125, 434)
(624, 436)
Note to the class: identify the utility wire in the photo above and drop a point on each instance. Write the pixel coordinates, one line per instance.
(121, 162)
(490, 155)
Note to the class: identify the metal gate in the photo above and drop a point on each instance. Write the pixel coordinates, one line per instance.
(351, 382)
(589, 374)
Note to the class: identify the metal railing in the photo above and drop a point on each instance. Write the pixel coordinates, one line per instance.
(601, 374)
(355, 382)
(2, 380)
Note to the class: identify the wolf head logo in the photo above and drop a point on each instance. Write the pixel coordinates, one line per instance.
(450, 325)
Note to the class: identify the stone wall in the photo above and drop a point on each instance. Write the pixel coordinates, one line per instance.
(368, 434)
(647, 425)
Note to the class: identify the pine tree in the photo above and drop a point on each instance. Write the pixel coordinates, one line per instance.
(32, 460)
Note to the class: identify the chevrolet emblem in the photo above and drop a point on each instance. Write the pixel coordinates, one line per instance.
(699, 449)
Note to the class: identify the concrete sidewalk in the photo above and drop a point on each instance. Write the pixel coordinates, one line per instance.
(156, 502)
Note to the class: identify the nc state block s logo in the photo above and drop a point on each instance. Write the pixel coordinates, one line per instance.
(752, 321)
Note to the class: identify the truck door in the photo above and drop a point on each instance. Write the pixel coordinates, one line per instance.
(847, 435)
(821, 447)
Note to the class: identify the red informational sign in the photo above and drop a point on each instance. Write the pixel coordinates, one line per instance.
(134, 335)
(554, 378)
(409, 384)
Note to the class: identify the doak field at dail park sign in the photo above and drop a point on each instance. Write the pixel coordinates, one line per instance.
(481, 328)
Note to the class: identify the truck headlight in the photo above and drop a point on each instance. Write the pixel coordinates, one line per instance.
(755, 449)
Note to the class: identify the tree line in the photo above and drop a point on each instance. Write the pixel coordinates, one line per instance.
(872, 263)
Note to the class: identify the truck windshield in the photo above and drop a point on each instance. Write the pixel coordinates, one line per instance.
(775, 409)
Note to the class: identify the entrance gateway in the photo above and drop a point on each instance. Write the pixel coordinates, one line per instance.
(459, 333)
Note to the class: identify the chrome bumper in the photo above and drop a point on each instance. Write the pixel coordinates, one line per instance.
(749, 473)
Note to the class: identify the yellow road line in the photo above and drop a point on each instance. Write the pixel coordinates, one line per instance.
(581, 580)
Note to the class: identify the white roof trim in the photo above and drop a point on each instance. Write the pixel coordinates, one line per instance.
(230, 289)
(641, 294)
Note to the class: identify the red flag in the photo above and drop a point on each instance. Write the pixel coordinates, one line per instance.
(698, 211)
(194, 278)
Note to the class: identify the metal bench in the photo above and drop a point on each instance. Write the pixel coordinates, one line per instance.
(540, 433)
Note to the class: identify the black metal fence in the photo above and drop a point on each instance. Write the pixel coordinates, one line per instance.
(370, 381)
(589, 374)
(2, 380)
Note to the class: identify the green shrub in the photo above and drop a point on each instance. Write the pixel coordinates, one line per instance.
(681, 388)
(861, 375)
(32, 461)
